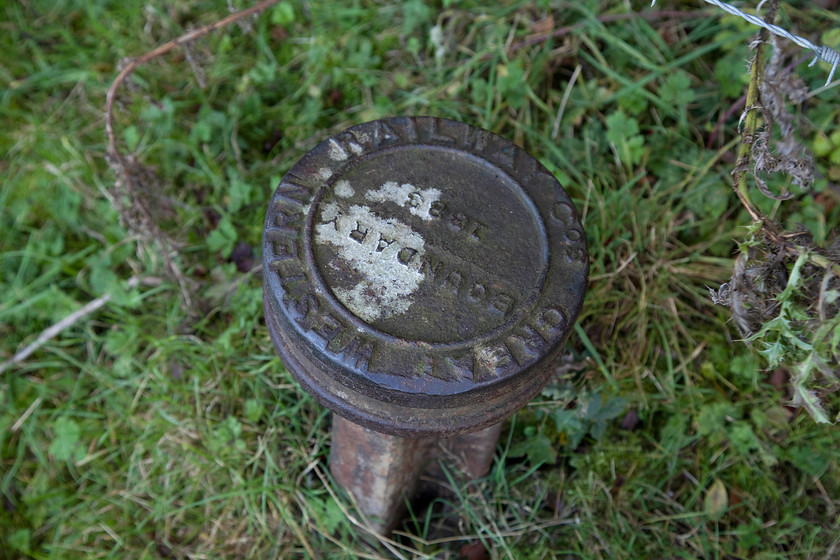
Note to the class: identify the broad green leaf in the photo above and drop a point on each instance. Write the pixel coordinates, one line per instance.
(749, 534)
(283, 14)
(633, 102)
(822, 145)
(66, 434)
(512, 84)
(808, 458)
(612, 408)
(131, 137)
(415, 14)
(673, 435)
(623, 133)
(742, 437)
(732, 75)
(239, 193)
(676, 89)
(713, 417)
(566, 420)
(620, 127)
(594, 408)
(568, 423)
(598, 428)
(537, 448)
(253, 410)
(102, 278)
(223, 237)
(774, 352)
(20, 540)
(333, 517)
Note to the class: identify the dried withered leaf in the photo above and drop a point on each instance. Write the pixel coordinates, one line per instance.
(631, 420)
(474, 551)
(543, 26)
(779, 377)
(779, 85)
(243, 256)
(716, 501)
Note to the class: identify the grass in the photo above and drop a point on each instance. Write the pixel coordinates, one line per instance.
(156, 429)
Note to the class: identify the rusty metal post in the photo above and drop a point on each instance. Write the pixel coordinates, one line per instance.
(420, 277)
(380, 470)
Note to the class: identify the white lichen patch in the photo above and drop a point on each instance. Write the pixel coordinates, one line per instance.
(325, 173)
(329, 212)
(489, 359)
(336, 152)
(355, 148)
(379, 251)
(344, 189)
(418, 201)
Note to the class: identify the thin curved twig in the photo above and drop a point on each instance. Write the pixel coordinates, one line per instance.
(67, 322)
(121, 164)
(161, 50)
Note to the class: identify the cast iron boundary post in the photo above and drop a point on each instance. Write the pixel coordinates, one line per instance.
(420, 278)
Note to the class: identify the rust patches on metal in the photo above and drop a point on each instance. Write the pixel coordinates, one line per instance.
(381, 471)
(378, 469)
(421, 276)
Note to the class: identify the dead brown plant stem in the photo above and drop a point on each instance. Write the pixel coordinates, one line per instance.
(748, 136)
(67, 322)
(751, 123)
(719, 125)
(116, 157)
(161, 50)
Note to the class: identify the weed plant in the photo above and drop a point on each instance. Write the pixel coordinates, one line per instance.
(162, 425)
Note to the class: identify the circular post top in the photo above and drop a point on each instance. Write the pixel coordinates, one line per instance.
(420, 275)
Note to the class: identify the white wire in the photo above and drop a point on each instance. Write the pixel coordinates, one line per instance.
(824, 53)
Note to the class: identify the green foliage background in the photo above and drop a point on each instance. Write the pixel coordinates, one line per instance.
(153, 429)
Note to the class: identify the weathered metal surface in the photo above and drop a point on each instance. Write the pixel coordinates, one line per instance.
(421, 275)
(382, 471)
(470, 454)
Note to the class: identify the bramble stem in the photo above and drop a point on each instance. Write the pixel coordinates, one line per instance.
(751, 120)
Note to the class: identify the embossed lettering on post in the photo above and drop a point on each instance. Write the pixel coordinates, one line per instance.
(396, 240)
(419, 273)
